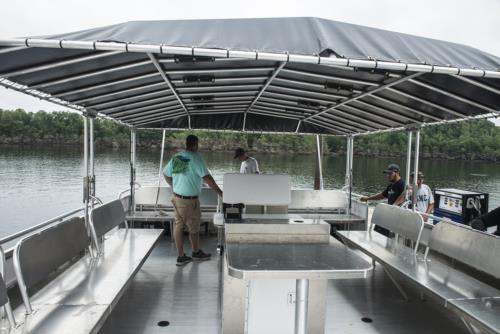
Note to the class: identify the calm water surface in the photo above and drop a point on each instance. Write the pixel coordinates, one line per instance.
(39, 184)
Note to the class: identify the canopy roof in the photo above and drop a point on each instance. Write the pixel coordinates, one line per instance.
(304, 75)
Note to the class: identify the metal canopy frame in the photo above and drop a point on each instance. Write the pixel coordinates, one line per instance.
(149, 87)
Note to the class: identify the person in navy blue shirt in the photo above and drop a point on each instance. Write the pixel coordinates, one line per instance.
(393, 190)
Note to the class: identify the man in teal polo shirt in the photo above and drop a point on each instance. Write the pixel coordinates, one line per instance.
(185, 173)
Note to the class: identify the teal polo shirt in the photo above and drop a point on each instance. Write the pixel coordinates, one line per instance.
(187, 170)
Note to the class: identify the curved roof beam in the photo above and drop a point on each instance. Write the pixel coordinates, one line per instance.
(268, 82)
(170, 86)
(367, 93)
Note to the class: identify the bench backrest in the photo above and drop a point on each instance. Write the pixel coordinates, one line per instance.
(257, 189)
(39, 255)
(403, 222)
(148, 195)
(107, 216)
(317, 199)
(474, 248)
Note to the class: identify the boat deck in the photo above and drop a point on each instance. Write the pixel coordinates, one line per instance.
(188, 298)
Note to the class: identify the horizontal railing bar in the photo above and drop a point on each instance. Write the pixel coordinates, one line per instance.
(39, 226)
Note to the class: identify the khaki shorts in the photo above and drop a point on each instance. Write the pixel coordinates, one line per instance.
(187, 213)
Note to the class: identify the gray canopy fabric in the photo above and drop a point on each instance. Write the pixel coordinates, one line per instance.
(304, 75)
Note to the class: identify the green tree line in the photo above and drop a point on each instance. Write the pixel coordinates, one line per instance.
(478, 139)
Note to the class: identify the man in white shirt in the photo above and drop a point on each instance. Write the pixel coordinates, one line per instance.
(248, 164)
(425, 199)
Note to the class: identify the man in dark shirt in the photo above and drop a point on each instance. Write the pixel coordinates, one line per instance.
(489, 219)
(392, 192)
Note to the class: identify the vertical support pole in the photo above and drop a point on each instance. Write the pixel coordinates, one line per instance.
(301, 301)
(86, 183)
(347, 163)
(318, 172)
(91, 158)
(351, 159)
(415, 168)
(408, 163)
(160, 171)
(133, 144)
(87, 116)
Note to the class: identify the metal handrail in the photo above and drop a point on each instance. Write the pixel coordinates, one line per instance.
(128, 189)
(428, 215)
(346, 190)
(37, 227)
(96, 199)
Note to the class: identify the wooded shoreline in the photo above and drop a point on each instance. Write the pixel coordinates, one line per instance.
(472, 140)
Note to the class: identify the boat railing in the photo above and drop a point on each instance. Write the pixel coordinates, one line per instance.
(6, 254)
(137, 185)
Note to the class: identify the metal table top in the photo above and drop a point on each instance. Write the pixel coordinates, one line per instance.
(484, 310)
(330, 260)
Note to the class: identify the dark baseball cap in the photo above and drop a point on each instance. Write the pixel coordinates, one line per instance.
(420, 175)
(391, 168)
(239, 152)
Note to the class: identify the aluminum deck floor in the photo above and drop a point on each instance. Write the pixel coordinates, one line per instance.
(188, 298)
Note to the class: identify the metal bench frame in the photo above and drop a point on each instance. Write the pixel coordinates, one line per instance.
(454, 241)
(62, 249)
(151, 204)
(329, 205)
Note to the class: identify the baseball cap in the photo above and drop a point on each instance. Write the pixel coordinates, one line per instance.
(391, 168)
(239, 152)
(420, 175)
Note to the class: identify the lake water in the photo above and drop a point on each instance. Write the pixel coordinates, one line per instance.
(39, 184)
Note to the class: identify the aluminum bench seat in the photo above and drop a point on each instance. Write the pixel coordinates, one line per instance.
(77, 291)
(483, 312)
(434, 275)
(474, 301)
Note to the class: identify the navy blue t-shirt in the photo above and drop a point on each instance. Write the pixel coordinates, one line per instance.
(393, 191)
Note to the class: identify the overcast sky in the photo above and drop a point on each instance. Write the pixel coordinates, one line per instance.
(475, 23)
